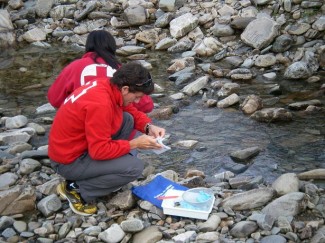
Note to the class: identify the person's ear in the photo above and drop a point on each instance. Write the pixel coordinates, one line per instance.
(125, 90)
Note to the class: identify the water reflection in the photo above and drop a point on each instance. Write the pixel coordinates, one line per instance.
(26, 74)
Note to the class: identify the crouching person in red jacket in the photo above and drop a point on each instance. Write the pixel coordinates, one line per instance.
(88, 141)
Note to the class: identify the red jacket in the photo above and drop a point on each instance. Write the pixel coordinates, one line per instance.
(86, 122)
(81, 71)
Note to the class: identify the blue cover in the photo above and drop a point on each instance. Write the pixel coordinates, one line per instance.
(156, 188)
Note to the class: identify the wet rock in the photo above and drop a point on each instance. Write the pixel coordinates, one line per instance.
(251, 104)
(304, 104)
(228, 101)
(180, 64)
(207, 47)
(245, 154)
(272, 115)
(194, 87)
(186, 143)
(317, 174)
(227, 89)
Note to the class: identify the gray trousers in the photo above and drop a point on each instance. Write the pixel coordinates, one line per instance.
(99, 178)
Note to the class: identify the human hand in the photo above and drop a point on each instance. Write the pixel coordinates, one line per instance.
(145, 142)
(156, 131)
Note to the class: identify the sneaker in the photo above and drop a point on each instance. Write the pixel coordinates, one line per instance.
(75, 201)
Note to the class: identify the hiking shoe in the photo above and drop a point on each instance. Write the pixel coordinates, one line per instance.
(76, 203)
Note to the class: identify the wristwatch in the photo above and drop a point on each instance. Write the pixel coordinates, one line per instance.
(146, 128)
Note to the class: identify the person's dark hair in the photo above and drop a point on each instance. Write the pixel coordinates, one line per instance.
(134, 75)
(103, 44)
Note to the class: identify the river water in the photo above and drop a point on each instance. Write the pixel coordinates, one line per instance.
(26, 73)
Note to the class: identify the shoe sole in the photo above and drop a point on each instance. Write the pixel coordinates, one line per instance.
(64, 197)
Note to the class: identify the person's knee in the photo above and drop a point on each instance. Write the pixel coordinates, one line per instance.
(136, 169)
(128, 119)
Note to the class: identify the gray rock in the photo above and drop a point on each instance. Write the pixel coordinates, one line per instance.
(49, 205)
(251, 104)
(81, 14)
(35, 34)
(264, 221)
(245, 154)
(228, 101)
(282, 43)
(17, 200)
(148, 235)
(288, 205)
(185, 237)
(123, 200)
(182, 25)
(286, 183)
(20, 226)
(7, 179)
(27, 166)
(43, 7)
(317, 174)
(194, 87)
(211, 224)
(164, 20)
(132, 225)
(304, 104)
(273, 239)
(17, 135)
(272, 115)
(243, 229)
(135, 15)
(260, 33)
(6, 222)
(250, 199)
(16, 122)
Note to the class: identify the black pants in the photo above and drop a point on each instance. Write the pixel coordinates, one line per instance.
(99, 178)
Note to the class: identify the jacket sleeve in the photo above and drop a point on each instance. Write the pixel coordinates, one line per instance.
(145, 104)
(61, 88)
(98, 134)
(140, 118)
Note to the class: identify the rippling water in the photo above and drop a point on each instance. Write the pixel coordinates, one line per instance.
(26, 74)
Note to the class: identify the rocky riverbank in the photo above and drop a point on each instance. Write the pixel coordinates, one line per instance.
(291, 209)
(222, 46)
